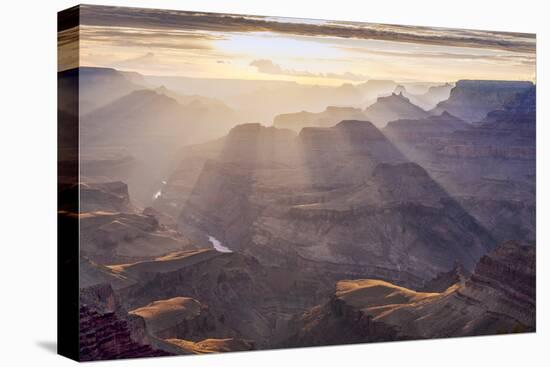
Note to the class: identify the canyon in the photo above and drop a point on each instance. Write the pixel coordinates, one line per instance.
(407, 213)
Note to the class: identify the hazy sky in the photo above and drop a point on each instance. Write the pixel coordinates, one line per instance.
(158, 42)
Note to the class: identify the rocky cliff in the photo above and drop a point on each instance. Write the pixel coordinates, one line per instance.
(518, 113)
(110, 238)
(488, 167)
(471, 100)
(499, 297)
(107, 332)
(105, 196)
(428, 99)
(329, 117)
(393, 107)
(347, 176)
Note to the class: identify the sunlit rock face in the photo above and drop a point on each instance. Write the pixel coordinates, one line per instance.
(498, 297)
(231, 287)
(108, 332)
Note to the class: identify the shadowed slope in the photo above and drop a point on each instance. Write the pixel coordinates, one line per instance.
(471, 100)
(342, 194)
(488, 167)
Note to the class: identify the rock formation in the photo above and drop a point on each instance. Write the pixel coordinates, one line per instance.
(347, 176)
(322, 229)
(329, 117)
(471, 100)
(107, 332)
(499, 297)
(488, 167)
(393, 107)
(430, 98)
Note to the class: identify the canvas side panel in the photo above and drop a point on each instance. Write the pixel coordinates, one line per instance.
(68, 177)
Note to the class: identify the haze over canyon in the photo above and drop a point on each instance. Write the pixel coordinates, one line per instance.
(253, 204)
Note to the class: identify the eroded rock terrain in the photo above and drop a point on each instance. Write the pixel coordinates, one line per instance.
(349, 225)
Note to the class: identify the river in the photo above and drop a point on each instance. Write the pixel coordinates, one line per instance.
(218, 245)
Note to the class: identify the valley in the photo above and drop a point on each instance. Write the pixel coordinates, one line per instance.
(380, 220)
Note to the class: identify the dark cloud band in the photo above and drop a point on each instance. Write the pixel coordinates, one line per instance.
(181, 20)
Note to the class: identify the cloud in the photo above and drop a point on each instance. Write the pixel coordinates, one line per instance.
(526, 59)
(107, 16)
(347, 76)
(126, 37)
(269, 67)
